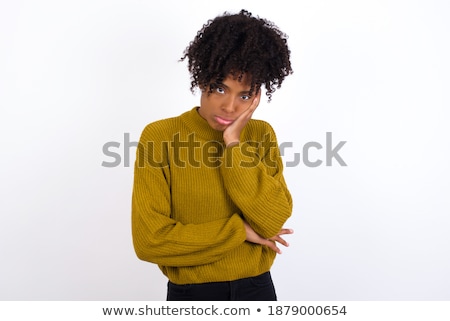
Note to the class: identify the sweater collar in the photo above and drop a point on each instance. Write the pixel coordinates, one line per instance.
(198, 125)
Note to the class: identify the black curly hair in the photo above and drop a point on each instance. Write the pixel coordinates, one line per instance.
(239, 44)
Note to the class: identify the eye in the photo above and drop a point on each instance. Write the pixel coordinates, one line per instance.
(220, 90)
(245, 97)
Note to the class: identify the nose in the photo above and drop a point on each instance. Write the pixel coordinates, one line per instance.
(229, 105)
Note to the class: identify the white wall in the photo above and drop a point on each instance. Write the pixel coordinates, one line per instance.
(75, 75)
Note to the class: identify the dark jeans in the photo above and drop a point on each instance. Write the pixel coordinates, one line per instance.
(258, 288)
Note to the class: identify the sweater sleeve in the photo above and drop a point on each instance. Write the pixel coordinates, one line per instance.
(158, 238)
(253, 176)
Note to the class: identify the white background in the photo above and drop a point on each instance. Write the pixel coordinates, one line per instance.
(75, 75)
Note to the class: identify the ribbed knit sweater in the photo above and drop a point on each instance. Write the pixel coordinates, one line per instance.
(191, 195)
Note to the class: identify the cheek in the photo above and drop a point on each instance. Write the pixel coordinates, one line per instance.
(203, 100)
(210, 102)
(206, 99)
(241, 107)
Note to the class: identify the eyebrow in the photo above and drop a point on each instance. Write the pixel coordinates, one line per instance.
(244, 92)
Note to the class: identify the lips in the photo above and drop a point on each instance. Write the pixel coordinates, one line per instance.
(223, 121)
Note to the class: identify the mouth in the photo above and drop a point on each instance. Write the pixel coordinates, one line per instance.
(223, 121)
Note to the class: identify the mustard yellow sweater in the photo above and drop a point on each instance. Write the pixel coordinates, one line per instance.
(191, 195)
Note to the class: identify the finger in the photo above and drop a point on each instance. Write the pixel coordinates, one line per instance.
(280, 240)
(247, 114)
(258, 95)
(284, 231)
(255, 102)
(273, 246)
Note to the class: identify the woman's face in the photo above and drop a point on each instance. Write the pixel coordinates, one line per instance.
(226, 102)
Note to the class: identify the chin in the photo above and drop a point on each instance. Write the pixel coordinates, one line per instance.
(217, 126)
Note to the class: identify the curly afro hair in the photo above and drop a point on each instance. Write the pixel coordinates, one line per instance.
(239, 44)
